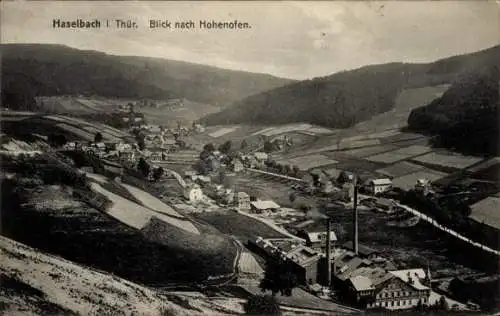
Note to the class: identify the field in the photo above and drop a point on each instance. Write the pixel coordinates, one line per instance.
(400, 169)
(248, 265)
(408, 181)
(80, 133)
(138, 216)
(222, 131)
(487, 211)
(308, 162)
(241, 226)
(369, 150)
(485, 165)
(448, 159)
(263, 188)
(400, 154)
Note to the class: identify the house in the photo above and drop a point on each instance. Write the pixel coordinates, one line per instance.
(236, 165)
(242, 201)
(261, 206)
(198, 128)
(422, 186)
(193, 193)
(379, 185)
(261, 156)
(375, 287)
(326, 186)
(304, 262)
(317, 240)
(120, 147)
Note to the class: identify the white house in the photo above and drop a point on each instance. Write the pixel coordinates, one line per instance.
(193, 193)
(261, 156)
(379, 185)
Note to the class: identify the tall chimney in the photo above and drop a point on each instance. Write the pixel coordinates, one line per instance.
(328, 254)
(355, 216)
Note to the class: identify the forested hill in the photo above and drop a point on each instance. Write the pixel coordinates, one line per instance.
(346, 98)
(38, 69)
(466, 117)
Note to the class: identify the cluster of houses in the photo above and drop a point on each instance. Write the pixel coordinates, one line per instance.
(339, 184)
(364, 279)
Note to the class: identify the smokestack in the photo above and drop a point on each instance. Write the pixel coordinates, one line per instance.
(328, 254)
(355, 216)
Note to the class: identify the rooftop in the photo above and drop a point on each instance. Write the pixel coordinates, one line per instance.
(321, 236)
(415, 274)
(303, 256)
(265, 205)
(384, 181)
(242, 195)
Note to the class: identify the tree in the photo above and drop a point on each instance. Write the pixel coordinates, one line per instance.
(143, 167)
(296, 170)
(57, 140)
(278, 277)
(157, 173)
(287, 169)
(209, 148)
(262, 305)
(98, 137)
(268, 146)
(244, 144)
(443, 303)
(292, 197)
(225, 147)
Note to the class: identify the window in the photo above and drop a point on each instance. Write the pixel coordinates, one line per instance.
(392, 303)
(403, 302)
(397, 303)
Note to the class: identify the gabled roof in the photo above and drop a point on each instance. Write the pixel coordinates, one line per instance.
(321, 236)
(384, 181)
(265, 205)
(414, 274)
(242, 195)
(303, 256)
(361, 283)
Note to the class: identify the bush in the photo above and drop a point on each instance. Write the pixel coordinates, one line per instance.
(262, 305)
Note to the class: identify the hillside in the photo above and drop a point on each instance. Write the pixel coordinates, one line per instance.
(343, 99)
(30, 70)
(34, 283)
(465, 117)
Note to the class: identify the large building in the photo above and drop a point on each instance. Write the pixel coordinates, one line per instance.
(317, 240)
(379, 185)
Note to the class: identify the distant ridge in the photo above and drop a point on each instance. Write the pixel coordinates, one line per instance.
(30, 70)
(349, 97)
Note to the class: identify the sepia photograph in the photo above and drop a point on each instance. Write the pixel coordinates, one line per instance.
(170, 158)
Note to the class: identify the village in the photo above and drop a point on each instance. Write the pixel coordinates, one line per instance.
(357, 275)
(198, 179)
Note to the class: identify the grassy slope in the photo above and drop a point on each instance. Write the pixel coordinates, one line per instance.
(34, 283)
(157, 254)
(349, 97)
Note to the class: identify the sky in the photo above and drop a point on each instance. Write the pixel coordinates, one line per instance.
(298, 40)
